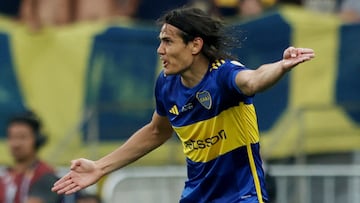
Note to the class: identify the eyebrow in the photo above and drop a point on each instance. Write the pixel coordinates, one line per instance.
(164, 38)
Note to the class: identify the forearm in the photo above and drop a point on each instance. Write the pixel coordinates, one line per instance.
(251, 82)
(266, 76)
(139, 144)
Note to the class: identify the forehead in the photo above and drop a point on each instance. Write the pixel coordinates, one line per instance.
(19, 126)
(168, 30)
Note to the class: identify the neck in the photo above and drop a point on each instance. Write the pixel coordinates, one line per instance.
(195, 73)
(22, 166)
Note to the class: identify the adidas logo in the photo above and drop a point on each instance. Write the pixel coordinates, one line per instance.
(174, 110)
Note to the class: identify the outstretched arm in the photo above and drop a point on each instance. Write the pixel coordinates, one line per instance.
(252, 81)
(84, 172)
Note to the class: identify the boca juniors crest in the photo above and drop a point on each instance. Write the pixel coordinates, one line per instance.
(204, 98)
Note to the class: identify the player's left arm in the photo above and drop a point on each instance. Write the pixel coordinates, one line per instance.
(251, 82)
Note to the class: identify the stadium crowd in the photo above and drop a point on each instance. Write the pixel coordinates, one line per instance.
(40, 13)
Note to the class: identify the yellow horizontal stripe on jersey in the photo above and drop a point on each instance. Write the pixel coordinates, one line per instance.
(205, 140)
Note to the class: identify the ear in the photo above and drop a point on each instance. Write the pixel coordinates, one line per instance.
(197, 45)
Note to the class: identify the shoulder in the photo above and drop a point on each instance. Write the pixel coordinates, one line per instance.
(223, 65)
(44, 167)
(237, 64)
(46, 179)
(44, 174)
(225, 70)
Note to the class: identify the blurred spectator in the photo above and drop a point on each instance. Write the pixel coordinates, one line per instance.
(126, 8)
(205, 5)
(39, 13)
(254, 8)
(29, 180)
(350, 11)
(88, 198)
(250, 8)
(89, 10)
(201, 4)
(152, 10)
(234, 8)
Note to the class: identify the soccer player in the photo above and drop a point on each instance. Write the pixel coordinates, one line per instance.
(206, 98)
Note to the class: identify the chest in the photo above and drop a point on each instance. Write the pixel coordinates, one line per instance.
(186, 106)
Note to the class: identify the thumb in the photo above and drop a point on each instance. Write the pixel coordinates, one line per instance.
(75, 164)
(290, 52)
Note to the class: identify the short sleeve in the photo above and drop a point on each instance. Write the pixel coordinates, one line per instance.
(228, 75)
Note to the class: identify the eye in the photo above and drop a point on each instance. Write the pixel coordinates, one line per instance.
(167, 41)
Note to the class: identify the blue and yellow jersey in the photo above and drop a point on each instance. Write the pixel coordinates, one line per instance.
(218, 129)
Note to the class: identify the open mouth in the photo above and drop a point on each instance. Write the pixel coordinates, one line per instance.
(165, 63)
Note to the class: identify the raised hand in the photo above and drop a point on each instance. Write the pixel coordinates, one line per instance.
(83, 173)
(293, 56)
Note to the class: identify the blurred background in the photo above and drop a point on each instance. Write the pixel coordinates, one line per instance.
(87, 68)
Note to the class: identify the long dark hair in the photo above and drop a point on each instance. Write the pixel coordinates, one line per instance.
(194, 22)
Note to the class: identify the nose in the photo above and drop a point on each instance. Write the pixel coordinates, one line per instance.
(160, 49)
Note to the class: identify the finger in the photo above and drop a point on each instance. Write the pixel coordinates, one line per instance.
(292, 52)
(301, 60)
(293, 62)
(75, 189)
(62, 185)
(63, 179)
(308, 55)
(68, 189)
(305, 50)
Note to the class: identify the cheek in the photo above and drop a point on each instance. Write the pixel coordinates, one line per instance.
(181, 57)
(24, 144)
(30, 144)
(185, 59)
